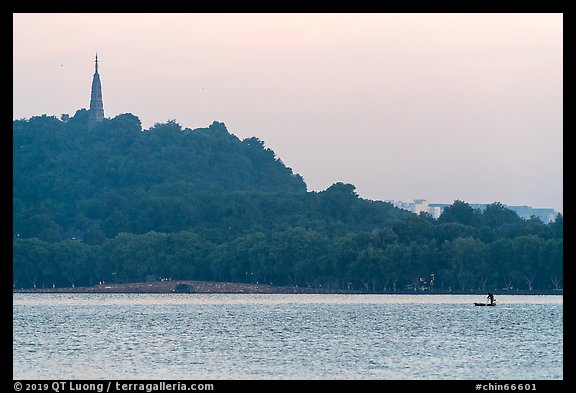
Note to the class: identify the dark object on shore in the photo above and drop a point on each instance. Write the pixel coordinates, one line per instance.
(484, 304)
(183, 288)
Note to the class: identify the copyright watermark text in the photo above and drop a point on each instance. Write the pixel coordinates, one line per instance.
(505, 386)
(110, 386)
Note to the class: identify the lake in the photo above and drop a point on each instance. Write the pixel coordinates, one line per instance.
(242, 336)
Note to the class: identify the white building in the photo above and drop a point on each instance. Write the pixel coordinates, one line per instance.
(547, 215)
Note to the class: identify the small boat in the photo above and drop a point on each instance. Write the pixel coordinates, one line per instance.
(484, 304)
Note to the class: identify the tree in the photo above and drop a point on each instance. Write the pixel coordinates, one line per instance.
(413, 228)
(500, 262)
(526, 251)
(460, 212)
(496, 215)
(368, 268)
(394, 269)
(76, 262)
(552, 261)
(338, 200)
(187, 256)
(28, 256)
(557, 226)
(467, 259)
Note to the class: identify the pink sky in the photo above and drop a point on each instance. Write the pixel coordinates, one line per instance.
(403, 106)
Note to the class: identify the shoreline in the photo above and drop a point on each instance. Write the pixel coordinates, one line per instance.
(213, 287)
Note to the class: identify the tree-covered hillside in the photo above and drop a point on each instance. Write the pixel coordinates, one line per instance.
(74, 181)
(116, 203)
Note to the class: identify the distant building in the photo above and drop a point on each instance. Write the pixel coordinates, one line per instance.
(434, 211)
(438, 208)
(96, 113)
(419, 206)
(547, 215)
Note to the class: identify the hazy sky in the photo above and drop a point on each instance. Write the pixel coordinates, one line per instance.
(403, 106)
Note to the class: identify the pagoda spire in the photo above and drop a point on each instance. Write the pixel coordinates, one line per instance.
(96, 103)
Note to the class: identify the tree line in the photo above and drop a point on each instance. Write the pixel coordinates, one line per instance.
(417, 253)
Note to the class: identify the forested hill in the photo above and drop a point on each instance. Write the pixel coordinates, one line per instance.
(69, 161)
(115, 203)
(75, 181)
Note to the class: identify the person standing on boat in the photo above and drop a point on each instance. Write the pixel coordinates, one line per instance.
(490, 297)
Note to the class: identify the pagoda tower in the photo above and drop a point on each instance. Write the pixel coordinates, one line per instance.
(96, 104)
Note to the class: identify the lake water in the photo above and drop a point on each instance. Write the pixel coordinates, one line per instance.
(239, 336)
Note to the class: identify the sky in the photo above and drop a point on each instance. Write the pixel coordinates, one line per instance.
(436, 106)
